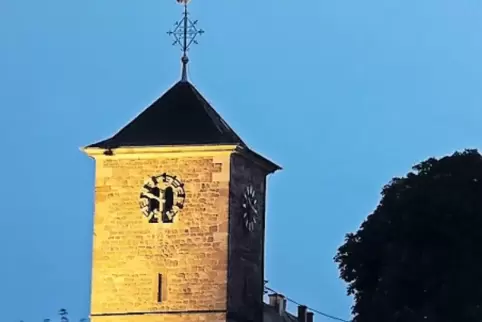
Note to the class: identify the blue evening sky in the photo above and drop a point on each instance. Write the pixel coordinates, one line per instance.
(343, 94)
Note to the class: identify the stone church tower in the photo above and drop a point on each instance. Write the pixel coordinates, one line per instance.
(179, 217)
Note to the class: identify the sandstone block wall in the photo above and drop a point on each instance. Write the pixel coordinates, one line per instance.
(246, 249)
(129, 253)
(215, 317)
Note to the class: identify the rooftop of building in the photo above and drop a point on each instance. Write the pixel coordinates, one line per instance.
(276, 311)
(181, 116)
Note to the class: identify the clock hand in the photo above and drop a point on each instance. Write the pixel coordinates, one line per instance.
(151, 196)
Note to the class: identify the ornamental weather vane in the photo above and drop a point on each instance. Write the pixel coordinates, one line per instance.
(184, 34)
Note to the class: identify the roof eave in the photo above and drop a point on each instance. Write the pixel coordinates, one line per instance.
(128, 151)
(265, 163)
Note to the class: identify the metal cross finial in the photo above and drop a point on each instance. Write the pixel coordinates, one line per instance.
(184, 34)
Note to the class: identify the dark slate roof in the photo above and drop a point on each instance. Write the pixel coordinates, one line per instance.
(179, 117)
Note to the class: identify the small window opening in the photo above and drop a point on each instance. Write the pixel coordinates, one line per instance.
(159, 288)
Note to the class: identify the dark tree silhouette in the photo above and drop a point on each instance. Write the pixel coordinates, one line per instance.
(418, 256)
(63, 315)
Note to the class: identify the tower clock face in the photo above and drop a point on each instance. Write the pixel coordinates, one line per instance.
(250, 208)
(161, 198)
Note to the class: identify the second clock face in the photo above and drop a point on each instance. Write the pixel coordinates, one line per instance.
(250, 208)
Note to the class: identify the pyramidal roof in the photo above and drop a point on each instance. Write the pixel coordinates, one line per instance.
(181, 116)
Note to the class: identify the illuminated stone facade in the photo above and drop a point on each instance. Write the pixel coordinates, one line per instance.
(202, 265)
(179, 218)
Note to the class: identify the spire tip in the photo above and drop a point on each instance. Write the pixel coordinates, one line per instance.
(184, 34)
(184, 61)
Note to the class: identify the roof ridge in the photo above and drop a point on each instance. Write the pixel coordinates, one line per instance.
(218, 121)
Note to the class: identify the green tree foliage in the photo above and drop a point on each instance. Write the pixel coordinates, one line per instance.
(418, 256)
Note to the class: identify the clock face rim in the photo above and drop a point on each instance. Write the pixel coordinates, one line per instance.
(163, 182)
(250, 210)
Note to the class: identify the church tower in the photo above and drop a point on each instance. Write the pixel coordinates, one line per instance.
(179, 215)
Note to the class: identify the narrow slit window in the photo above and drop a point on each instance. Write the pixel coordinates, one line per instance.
(159, 288)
